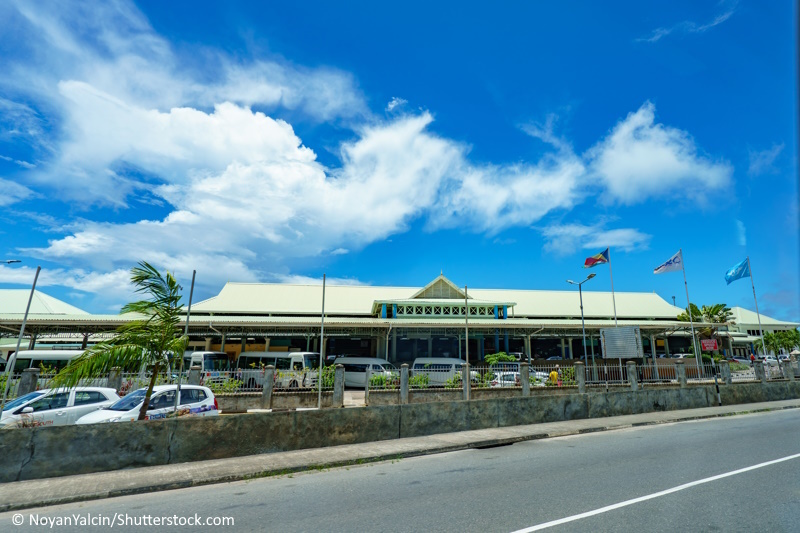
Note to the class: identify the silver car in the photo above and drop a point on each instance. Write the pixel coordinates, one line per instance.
(55, 407)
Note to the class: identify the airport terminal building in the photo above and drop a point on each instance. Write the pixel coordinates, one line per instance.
(395, 323)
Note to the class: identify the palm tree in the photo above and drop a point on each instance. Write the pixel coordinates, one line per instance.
(151, 341)
(710, 314)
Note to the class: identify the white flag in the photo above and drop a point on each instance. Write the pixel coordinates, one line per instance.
(673, 263)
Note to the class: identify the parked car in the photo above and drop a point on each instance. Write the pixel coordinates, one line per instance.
(195, 401)
(56, 407)
(554, 358)
(769, 360)
(742, 360)
(505, 379)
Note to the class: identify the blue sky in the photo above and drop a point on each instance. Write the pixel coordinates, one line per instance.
(380, 144)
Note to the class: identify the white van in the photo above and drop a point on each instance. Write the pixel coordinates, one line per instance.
(355, 369)
(292, 369)
(55, 359)
(438, 369)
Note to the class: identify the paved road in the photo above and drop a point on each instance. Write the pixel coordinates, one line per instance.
(515, 487)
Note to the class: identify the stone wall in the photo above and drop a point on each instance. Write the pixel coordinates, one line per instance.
(32, 453)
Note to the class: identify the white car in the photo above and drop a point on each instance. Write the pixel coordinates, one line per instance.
(56, 407)
(505, 379)
(195, 401)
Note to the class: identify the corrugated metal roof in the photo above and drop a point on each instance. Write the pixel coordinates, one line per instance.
(747, 317)
(14, 301)
(268, 298)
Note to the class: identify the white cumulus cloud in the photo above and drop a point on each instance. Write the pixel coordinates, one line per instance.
(640, 159)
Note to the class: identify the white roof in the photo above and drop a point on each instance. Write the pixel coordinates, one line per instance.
(290, 299)
(747, 317)
(14, 301)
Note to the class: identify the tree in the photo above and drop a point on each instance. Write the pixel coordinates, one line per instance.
(781, 339)
(152, 341)
(499, 357)
(712, 314)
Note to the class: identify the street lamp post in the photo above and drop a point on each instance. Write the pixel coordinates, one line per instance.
(583, 324)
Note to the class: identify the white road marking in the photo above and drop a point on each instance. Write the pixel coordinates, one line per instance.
(654, 495)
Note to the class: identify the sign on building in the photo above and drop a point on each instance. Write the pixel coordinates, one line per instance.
(622, 343)
(708, 344)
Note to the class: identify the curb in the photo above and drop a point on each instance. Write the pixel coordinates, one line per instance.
(190, 481)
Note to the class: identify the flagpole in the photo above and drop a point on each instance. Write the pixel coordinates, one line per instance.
(761, 331)
(613, 299)
(689, 310)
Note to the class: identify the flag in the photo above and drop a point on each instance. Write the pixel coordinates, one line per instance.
(673, 263)
(595, 260)
(738, 271)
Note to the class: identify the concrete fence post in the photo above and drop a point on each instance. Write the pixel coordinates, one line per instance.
(114, 380)
(367, 379)
(758, 366)
(725, 372)
(788, 370)
(633, 377)
(466, 383)
(28, 381)
(269, 384)
(194, 376)
(794, 366)
(680, 373)
(525, 379)
(404, 383)
(580, 376)
(338, 386)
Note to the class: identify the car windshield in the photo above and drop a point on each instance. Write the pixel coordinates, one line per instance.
(130, 401)
(22, 400)
(216, 361)
(312, 361)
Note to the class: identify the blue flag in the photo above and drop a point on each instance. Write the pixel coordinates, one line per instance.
(738, 271)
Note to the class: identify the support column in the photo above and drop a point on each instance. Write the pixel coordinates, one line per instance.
(481, 348)
(32, 344)
(633, 378)
(580, 376)
(85, 341)
(525, 379)
(563, 348)
(207, 347)
(465, 380)
(114, 380)
(316, 344)
(725, 371)
(394, 346)
(506, 341)
(496, 341)
(338, 386)
(666, 346)
(194, 376)
(222, 344)
(760, 374)
(269, 383)
(244, 344)
(655, 358)
(430, 346)
(527, 348)
(28, 381)
(680, 373)
(404, 383)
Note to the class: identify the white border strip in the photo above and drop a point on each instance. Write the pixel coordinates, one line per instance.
(654, 495)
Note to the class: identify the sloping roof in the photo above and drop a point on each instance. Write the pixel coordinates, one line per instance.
(744, 316)
(14, 301)
(281, 299)
(441, 287)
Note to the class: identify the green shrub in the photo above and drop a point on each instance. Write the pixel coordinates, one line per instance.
(382, 381)
(227, 386)
(454, 383)
(419, 381)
